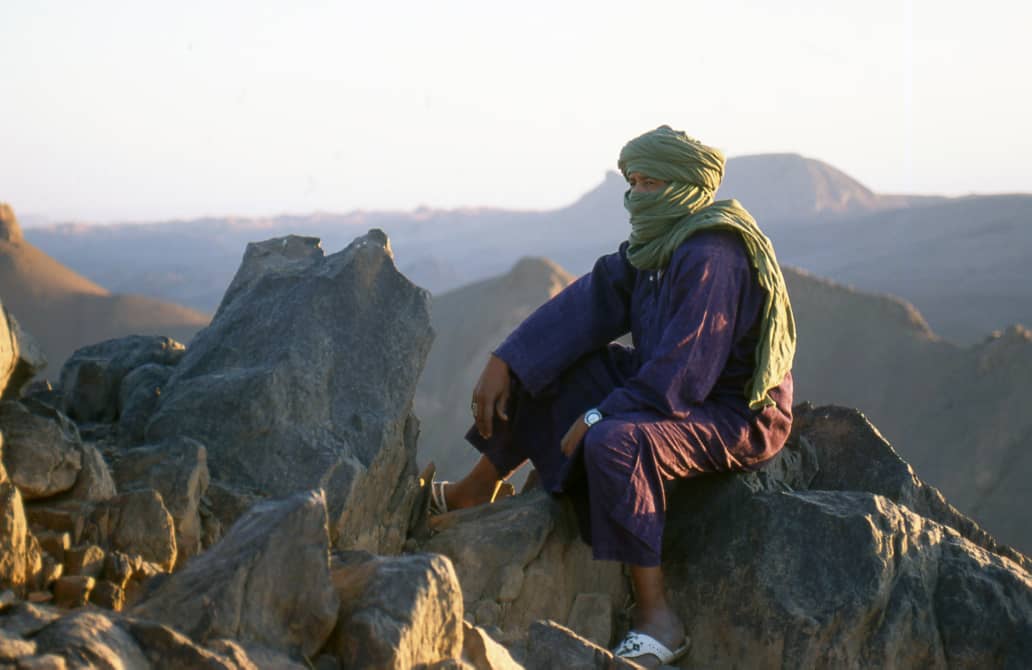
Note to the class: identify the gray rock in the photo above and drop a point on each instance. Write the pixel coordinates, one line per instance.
(136, 523)
(21, 357)
(27, 619)
(42, 454)
(138, 398)
(94, 482)
(592, 618)
(168, 649)
(178, 469)
(14, 535)
(305, 379)
(221, 506)
(524, 553)
(91, 378)
(267, 582)
(481, 652)
(397, 613)
(90, 639)
(554, 647)
(14, 647)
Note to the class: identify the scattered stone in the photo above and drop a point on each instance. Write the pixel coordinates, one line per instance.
(94, 482)
(42, 456)
(57, 518)
(167, 649)
(44, 662)
(87, 559)
(178, 469)
(267, 582)
(305, 379)
(40, 597)
(55, 544)
(592, 618)
(118, 568)
(107, 595)
(14, 647)
(397, 612)
(92, 639)
(136, 522)
(91, 378)
(28, 618)
(73, 590)
(554, 647)
(481, 652)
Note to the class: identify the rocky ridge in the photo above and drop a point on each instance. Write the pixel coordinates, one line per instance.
(165, 549)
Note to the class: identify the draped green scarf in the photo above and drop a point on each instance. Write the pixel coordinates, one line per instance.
(662, 220)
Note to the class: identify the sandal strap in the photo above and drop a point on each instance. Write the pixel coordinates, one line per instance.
(639, 644)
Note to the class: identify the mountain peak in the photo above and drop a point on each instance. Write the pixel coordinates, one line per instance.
(10, 231)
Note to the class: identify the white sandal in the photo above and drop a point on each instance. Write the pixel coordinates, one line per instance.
(438, 502)
(635, 645)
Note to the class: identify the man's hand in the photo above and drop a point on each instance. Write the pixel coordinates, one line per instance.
(573, 436)
(491, 395)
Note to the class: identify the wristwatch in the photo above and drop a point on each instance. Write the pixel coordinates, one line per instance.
(592, 416)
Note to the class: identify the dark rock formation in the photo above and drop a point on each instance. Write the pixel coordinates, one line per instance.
(397, 613)
(267, 582)
(305, 379)
(91, 379)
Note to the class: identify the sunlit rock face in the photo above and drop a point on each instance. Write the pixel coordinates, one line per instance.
(305, 379)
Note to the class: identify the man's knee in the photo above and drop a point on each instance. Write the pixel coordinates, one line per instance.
(610, 442)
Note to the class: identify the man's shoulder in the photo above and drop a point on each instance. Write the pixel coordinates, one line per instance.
(713, 243)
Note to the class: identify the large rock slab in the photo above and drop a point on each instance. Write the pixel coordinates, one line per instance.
(91, 378)
(178, 469)
(305, 379)
(397, 613)
(267, 582)
(768, 574)
(42, 454)
(521, 559)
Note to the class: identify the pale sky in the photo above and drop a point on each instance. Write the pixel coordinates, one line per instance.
(139, 110)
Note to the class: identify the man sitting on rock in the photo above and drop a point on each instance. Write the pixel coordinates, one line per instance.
(706, 388)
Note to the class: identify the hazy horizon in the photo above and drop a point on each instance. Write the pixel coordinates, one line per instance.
(121, 112)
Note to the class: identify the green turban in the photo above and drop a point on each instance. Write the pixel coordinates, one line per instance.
(661, 221)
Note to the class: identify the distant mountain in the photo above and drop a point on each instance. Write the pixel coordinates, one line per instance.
(962, 261)
(469, 322)
(63, 310)
(959, 415)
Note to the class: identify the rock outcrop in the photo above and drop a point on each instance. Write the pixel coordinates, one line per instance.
(267, 582)
(20, 356)
(305, 379)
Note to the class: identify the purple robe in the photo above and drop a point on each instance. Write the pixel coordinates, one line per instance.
(674, 405)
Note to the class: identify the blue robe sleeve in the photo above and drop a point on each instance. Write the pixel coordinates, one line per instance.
(583, 317)
(705, 282)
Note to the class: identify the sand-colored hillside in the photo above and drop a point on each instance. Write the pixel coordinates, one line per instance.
(469, 323)
(64, 310)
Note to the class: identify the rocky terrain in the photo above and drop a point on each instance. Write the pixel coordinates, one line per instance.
(252, 501)
(64, 310)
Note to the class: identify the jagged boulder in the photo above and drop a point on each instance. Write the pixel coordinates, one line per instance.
(305, 379)
(42, 454)
(771, 575)
(267, 582)
(178, 469)
(520, 560)
(20, 554)
(91, 379)
(20, 356)
(136, 523)
(396, 613)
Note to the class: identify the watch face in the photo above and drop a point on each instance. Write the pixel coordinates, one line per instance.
(592, 416)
